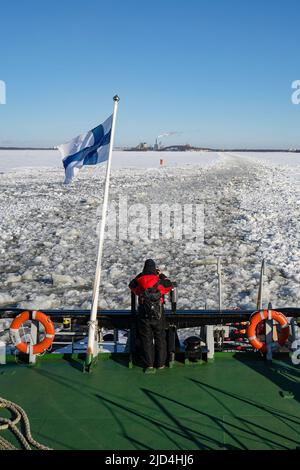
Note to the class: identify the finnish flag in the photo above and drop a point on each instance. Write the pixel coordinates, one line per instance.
(86, 149)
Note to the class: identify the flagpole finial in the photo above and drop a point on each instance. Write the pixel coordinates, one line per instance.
(116, 98)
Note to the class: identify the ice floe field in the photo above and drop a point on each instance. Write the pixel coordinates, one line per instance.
(48, 231)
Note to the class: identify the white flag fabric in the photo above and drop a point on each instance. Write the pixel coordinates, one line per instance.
(86, 149)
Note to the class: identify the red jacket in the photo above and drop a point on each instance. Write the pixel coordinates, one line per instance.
(146, 281)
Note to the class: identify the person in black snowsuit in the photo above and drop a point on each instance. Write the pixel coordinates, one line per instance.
(150, 286)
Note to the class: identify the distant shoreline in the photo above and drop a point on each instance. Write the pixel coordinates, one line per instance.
(174, 148)
(27, 148)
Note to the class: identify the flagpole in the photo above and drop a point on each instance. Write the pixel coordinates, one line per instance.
(93, 317)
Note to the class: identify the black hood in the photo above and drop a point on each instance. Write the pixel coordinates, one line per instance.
(149, 267)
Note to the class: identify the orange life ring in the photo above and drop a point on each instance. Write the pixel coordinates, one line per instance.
(262, 315)
(39, 347)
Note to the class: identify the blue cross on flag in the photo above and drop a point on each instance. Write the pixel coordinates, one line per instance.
(86, 149)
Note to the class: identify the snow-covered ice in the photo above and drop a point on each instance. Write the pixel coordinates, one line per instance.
(19, 159)
(288, 159)
(48, 231)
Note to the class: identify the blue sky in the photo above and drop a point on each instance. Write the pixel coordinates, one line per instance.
(219, 72)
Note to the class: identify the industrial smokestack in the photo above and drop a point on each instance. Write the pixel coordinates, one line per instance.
(165, 134)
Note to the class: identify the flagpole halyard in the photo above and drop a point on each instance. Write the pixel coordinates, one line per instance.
(93, 316)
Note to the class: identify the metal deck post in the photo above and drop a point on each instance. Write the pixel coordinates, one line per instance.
(261, 286)
(132, 333)
(269, 334)
(171, 344)
(220, 282)
(33, 340)
(2, 352)
(295, 334)
(98, 339)
(116, 339)
(210, 342)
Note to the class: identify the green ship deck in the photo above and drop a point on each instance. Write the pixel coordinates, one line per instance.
(236, 402)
